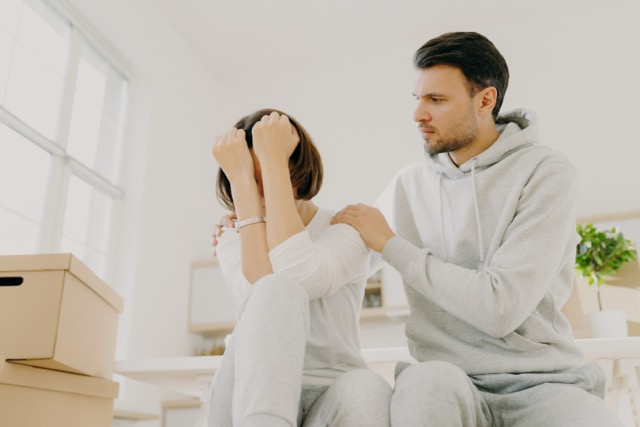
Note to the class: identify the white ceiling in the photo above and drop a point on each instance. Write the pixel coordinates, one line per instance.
(233, 36)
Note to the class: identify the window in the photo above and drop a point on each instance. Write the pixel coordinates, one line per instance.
(62, 115)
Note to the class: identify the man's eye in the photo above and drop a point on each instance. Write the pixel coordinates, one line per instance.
(436, 100)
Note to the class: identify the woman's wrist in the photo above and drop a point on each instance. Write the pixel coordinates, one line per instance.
(243, 179)
(268, 163)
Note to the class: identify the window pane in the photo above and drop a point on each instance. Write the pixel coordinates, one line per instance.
(17, 234)
(98, 107)
(45, 34)
(10, 15)
(24, 170)
(78, 210)
(86, 223)
(112, 130)
(86, 117)
(106, 149)
(115, 96)
(36, 77)
(6, 50)
(34, 93)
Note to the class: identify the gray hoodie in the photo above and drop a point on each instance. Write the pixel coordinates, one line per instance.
(486, 252)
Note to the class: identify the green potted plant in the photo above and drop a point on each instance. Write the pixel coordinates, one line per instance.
(600, 254)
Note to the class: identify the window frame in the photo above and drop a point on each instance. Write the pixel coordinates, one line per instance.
(63, 165)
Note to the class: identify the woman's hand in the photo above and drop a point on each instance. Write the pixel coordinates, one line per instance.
(232, 154)
(274, 138)
(225, 222)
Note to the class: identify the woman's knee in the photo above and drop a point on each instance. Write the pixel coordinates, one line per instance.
(359, 398)
(274, 300)
(435, 393)
(364, 382)
(275, 287)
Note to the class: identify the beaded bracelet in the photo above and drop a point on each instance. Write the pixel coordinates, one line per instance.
(249, 221)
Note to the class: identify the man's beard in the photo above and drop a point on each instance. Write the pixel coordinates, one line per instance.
(448, 145)
(462, 135)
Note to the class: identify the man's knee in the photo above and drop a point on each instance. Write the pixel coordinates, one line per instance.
(435, 393)
(435, 375)
(432, 383)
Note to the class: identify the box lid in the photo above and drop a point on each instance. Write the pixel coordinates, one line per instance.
(62, 261)
(46, 379)
(628, 276)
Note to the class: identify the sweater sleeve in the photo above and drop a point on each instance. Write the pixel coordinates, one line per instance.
(230, 258)
(322, 267)
(536, 246)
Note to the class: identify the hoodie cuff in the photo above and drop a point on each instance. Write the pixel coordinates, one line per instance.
(399, 253)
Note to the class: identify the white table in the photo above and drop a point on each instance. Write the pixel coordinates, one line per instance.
(619, 357)
(190, 376)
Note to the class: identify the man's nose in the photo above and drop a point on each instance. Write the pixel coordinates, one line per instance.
(421, 114)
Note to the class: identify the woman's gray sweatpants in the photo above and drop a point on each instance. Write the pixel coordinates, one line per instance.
(441, 394)
(259, 382)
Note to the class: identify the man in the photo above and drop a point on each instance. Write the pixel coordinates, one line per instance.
(483, 232)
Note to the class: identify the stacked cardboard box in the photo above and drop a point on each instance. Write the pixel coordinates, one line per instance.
(58, 325)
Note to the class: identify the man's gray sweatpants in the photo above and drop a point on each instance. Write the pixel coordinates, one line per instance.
(259, 382)
(441, 394)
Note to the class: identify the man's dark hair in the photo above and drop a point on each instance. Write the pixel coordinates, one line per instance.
(305, 164)
(475, 55)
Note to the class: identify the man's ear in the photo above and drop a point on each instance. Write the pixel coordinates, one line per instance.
(486, 100)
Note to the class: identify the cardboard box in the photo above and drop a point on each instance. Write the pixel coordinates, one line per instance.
(56, 313)
(35, 397)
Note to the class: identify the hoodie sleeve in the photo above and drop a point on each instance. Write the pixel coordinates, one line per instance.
(537, 246)
(322, 267)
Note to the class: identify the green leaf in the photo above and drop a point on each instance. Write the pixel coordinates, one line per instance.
(602, 253)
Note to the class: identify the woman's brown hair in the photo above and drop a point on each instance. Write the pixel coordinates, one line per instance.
(305, 164)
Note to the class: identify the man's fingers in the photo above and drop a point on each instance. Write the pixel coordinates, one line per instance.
(350, 210)
(343, 218)
(350, 214)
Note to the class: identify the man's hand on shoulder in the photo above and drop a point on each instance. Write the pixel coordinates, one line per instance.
(369, 222)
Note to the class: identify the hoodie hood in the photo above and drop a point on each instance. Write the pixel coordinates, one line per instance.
(517, 128)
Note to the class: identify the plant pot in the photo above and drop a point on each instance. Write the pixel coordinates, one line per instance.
(607, 324)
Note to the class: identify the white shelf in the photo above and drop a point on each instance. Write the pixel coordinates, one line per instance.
(191, 375)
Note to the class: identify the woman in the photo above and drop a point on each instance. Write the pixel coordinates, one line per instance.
(294, 358)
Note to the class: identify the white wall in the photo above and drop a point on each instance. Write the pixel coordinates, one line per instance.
(579, 70)
(578, 67)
